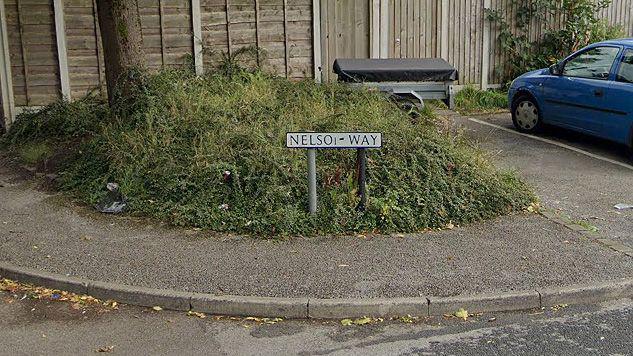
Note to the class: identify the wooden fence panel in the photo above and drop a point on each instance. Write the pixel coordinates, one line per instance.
(344, 32)
(281, 28)
(83, 41)
(33, 51)
(413, 31)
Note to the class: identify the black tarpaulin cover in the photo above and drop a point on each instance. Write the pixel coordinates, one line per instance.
(394, 70)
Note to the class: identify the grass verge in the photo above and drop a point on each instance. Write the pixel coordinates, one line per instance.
(210, 152)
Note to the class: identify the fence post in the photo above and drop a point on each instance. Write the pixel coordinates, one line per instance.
(485, 49)
(62, 56)
(196, 23)
(384, 28)
(316, 39)
(444, 33)
(6, 82)
(374, 29)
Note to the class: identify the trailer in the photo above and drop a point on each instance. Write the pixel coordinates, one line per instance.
(418, 79)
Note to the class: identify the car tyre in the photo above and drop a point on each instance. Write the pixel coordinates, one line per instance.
(526, 114)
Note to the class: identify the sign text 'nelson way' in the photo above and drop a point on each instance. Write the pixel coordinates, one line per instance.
(333, 140)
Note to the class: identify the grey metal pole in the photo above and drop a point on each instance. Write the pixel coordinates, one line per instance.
(362, 177)
(312, 191)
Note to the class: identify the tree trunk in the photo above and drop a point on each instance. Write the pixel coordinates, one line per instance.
(122, 41)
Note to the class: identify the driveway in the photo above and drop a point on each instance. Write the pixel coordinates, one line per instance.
(579, 176)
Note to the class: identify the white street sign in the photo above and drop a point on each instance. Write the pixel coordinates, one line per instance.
(333, 139)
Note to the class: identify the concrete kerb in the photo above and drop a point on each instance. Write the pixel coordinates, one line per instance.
(301, 308)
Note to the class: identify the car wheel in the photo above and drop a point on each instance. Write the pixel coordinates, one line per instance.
(526, 114)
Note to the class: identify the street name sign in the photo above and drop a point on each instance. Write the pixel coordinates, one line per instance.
(333, 140)
(311, 141)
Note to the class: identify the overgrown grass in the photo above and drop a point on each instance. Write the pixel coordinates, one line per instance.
(171, 152)
(471, 100)
(32, 153)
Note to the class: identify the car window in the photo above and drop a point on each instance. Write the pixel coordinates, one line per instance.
(595, 63)
(625, 73)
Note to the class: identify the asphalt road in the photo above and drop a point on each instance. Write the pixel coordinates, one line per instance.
(32, 327)
(581, 187)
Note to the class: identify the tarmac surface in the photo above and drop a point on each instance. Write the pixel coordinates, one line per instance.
(34, 327)
(583, 188)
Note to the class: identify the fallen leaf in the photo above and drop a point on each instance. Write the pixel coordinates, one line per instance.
(346, 322)
(198, 314)
(105, 349)
(461, 313)
(157, 308)
(362, 321)
(408, 319)
(272, 320)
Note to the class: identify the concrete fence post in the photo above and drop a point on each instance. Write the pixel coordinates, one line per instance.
(62, 53)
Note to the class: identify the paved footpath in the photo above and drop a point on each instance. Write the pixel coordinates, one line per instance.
(520, 252)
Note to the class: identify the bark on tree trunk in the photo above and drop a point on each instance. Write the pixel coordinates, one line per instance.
(120, 25)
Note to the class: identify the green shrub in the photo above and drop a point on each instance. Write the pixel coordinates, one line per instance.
(61, 121)
(471, 99)
(170, 156)
(582, 26)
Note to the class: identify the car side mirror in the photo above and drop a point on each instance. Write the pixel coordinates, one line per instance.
(555, 69)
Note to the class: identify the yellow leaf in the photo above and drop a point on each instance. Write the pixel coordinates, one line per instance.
(362, 321)
(157, 308)
(198, 314)
(461, 313)
(346, 322)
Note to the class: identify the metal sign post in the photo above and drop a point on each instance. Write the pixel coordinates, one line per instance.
(312, 141)
(361, 159)
(312, 194)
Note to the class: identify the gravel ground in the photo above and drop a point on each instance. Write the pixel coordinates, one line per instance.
(511, 253)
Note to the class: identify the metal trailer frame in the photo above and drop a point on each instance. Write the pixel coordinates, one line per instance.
(444, 91)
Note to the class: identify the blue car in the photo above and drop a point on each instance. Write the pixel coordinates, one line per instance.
(590, 91)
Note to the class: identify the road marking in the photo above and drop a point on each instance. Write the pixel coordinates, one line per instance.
(552, 142)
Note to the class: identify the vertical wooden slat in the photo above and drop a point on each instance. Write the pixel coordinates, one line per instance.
(467, 35)
(402, 28)
(196, 24)
(428, 16)
(444, 29)
(417, 28)
(6, 82)
(62, 53)
(408, 29)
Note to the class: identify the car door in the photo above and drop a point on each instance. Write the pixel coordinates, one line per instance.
(576, 98)
(619, 101)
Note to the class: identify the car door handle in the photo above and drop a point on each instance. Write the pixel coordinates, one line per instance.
(598, 93)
